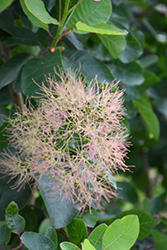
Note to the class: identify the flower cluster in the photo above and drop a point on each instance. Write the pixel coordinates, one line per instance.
(76, 135)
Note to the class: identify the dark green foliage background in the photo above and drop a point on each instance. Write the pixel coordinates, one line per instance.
(139, 60)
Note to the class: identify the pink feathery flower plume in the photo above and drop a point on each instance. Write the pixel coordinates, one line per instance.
(76, 135)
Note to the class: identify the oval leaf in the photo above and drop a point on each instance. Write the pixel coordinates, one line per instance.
(90, 12)
(14, 221)
(68, 246)
(7, 194)
(5, 235)
(121, 234)
(96, 236)
(20, 35)
(61, 211)
(115, 44)
(147, 222)
(87, 245)
(36, 69)
(37, 8)
(133, 49)
(7, 20)
(10, 69)
(52, 235)
(37, 22)
(4, 4)
(160, 240)
(77, 231)
(130, 74)
(90, 219)
(34, 241)
(89, 66)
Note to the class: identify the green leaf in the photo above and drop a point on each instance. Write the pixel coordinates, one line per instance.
(147, 222)
(110, 35)
(10, 69)
(158, 204)
(127, 192)
(36, 12)
(150, 79)
(148, 61)
(115, 44)
(44, 225)
(147, 205)
(7, 248)
(121, 234)
(149, 117)
(34, 241)
(160, 240)
(130, 74)
(52, 235)
(30, 217)
(87, 245)
(36, 69)
(90, 219)
(77, 231)
(89, 66)
(7, 195)
(37, 8)
(4, 4)
(49, 4)
(14, 221)
(5, 235)
(96, 236)
(5, 97)
(117, 2)
(102, 28)
(7, 21)
(32, 18)
(61, 211)
(133, 49)
(68, 246)
(20, 35)
(22, 48)
(17, 82)
(90, 13)
(4, 112)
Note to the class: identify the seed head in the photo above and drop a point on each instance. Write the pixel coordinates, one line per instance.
(76, 135)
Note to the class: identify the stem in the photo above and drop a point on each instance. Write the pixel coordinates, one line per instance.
(65, 13)
(59, 11)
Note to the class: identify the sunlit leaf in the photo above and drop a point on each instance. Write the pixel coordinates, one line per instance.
(96, 236)
(121, 234)
(4, 4)
(90, 12)
(102, 28)
(37, 9)
(86, 245)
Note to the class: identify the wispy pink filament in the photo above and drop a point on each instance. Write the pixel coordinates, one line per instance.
(76, 135)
